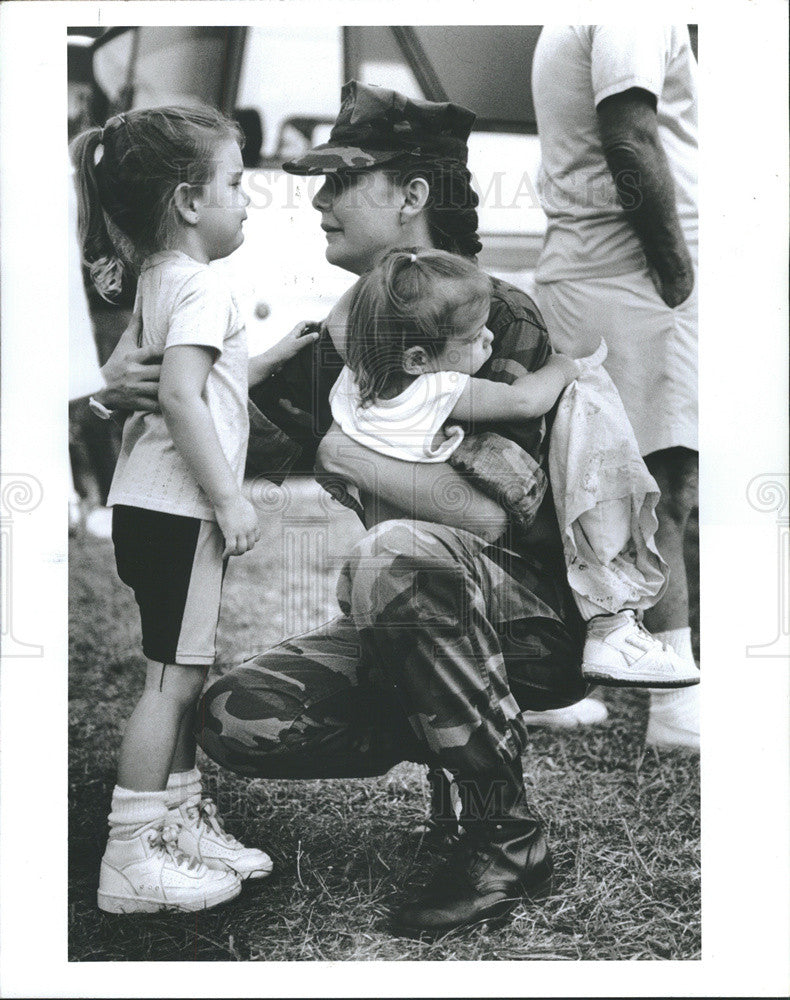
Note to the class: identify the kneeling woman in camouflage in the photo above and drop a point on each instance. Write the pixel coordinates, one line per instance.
(444, 634)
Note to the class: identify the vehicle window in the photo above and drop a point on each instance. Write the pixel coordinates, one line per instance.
(504, 152)
(374, 57)
(435, 61)
(292, 78)
(150, 66)
(498, 87)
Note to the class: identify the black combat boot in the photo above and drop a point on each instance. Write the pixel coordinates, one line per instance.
(501, 860)
(439, 830)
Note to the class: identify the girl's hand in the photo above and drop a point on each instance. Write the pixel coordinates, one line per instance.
(131, 373)
(239, 525)
(302, 335)
(262, 366)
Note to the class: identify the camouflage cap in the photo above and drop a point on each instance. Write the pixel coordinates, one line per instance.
(375, 126)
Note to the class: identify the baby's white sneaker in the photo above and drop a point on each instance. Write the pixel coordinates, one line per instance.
(620, 652)
(147, 872)
(201, 835)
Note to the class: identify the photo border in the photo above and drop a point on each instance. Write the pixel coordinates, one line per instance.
(743, 402)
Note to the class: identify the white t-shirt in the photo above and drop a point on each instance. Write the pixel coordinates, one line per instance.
(185, 302)
(575, 68)
(405, 426)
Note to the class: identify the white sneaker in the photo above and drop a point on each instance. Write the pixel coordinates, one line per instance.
(674, 720)
(587, 712)
(201, 835)
(148, 873)
(619, 651)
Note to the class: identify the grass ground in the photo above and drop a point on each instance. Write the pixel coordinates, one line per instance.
(623, 822)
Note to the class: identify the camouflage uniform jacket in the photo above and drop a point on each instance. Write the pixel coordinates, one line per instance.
(521, 345)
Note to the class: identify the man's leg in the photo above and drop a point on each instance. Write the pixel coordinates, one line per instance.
(676, 472)
(674, 715)
(652, 361)
(422, 596)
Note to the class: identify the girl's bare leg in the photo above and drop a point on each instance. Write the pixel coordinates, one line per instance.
(152, 733)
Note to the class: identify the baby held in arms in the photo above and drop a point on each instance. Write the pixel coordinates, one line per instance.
(416, 338)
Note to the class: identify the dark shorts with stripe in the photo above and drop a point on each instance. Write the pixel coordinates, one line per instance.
(175, 567)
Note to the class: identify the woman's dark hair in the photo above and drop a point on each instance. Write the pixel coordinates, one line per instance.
(452, 203)
(411, 298)
(127, 173)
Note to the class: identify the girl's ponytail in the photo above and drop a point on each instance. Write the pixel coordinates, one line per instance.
(127, 173)
(100, 254)
(399, 284)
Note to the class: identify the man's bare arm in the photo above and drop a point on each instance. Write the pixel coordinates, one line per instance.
(641, 172)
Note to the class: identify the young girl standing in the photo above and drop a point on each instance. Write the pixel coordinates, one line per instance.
(160, 196)
(416, 336)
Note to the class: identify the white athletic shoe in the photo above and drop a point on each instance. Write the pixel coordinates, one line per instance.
(619, 651)
(587, 712)
(148, 873)
(201, 835)
(674, 720)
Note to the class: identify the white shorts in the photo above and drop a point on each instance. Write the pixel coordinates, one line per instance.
(652, 349)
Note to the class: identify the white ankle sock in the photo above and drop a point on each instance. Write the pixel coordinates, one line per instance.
(678, 639)
(130, 810)
(182, 785)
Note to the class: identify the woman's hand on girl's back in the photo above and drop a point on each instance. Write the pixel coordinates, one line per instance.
(132, 373)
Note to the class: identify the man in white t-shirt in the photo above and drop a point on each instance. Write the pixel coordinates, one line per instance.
(616, 107)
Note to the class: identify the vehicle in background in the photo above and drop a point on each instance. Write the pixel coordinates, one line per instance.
(282, 83)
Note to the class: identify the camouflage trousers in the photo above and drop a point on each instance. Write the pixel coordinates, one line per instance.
(442, 641)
